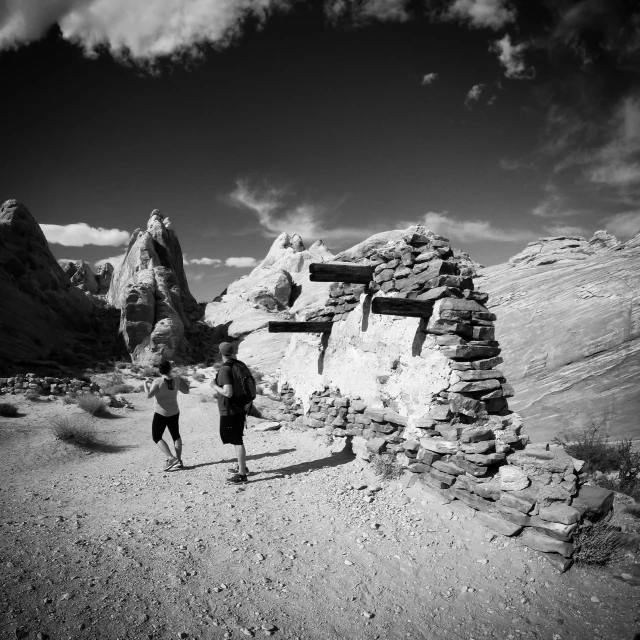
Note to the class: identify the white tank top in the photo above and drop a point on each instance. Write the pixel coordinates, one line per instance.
(166, 398)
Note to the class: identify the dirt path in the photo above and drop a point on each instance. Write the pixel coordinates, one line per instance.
(108, 546)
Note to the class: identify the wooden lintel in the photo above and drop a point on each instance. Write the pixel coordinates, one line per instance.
(402, 307)
(328, 272)
(300, 327)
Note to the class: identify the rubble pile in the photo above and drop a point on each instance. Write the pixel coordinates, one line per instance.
(47, 385)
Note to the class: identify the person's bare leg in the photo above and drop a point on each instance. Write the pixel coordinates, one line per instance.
(178, 445)
(164, 447)
(242, 459)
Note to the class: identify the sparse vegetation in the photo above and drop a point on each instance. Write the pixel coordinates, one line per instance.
(595, 544)
(633, 510)
(198, 377)
(32, 395)
(385, 466)
(601, 456)
(78, 431)
(121, 365)
(92, 404)
(69, 399)
(8, 410)
(117, 388)
(148, 372)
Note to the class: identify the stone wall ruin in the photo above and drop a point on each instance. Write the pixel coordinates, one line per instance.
(429, 392)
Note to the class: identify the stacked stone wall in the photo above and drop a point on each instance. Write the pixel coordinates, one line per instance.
(466, 444)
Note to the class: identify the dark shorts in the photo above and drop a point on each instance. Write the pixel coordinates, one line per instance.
(160, 423)
(232, 428)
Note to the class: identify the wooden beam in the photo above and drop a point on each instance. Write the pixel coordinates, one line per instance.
(328, 272)
(300, 327)
(402, 307)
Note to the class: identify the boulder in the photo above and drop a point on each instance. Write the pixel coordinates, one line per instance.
(150, 288)
(579, 358)
(41, 313)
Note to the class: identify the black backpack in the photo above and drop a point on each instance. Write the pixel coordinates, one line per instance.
(244, 384)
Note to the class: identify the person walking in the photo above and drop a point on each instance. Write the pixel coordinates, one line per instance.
(167, 413)
(234, 387)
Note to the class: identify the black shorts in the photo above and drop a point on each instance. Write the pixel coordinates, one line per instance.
(232, 428)
(160, 423)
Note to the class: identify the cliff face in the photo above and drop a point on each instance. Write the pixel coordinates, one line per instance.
(569, 325)
(40, 313)
(277, 289)
(82, 276)
(150, 288)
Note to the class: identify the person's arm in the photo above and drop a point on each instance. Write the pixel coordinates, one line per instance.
(151, 388)
(226, 383)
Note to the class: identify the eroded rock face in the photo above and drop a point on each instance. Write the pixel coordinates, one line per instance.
(569, 324)
(150, 287)
(82, 276)
(277, 289)
(40, 312)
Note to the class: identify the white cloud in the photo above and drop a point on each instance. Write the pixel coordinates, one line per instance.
(506, 164)
(617, 164)
(474, 94)
(554, 204)
(143, 31)
(276, 214)
(473, 230)
(429, 78)
(565, 230)
(209, 262)
(623, 225)
(80, 234)
(483, 13)
(512, 58)
(241, 263)
(114, 260)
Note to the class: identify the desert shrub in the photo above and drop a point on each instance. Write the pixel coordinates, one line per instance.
(8, 410)
(92, 404)
(32, 395)
(633, 510)
(198, 377)
(592, 444)
(135, 368)
(75, 431)
(148, 372)
(385, 466)
(121, 365)
(112, 390)
(595, 544)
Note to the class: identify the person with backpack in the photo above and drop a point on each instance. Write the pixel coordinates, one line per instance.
(167, 414)
(235, 388)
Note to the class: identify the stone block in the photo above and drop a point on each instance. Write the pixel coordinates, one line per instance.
(512, 478)
(488, 490)
(459, 304)
(312, 423)
(513, 515)
(486, 446)
(593, 502)
(507, 390)
(476, 434)
(487, 363)
(424, 423)
(433, 489)
(358, 445)
(427, 457)
(475, 502)
(485, 460)
(514, 501)
(396, 418)
(496, 405)
(340, 446)
(472, 469)
(376, 445)
(448, 432)
(480, 374)
(341, 402)
(562, 532)
(438, 412)
(441, 477)
(362, 419)
(439, 445)
(358, 406)
(467, 483)
(474, 386)
(557, 561)
(383, 427)
(465, 405)
(561, 513)
(541, 542)
(483, 333)
(470, 352)
(498, 524)
(447, 467)
(411, 445)
(377, 415)
(418, 467)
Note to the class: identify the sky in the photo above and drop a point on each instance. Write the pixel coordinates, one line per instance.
(493, 122)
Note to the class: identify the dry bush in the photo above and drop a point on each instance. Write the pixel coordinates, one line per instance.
(77, 431)
(385, 466)
(8, 410)
(633, 510)
(199, 377)
(92, 404)
(32, 395)
(148, 372)
(595, 544)
(68, 399)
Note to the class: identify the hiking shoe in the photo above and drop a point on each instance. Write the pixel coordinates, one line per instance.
(179, 465)
(236, 469)
(237, 479)
(172, 462)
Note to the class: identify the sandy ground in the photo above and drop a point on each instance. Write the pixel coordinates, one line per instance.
(106, 545)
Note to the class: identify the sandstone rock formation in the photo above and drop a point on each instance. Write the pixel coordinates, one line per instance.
(82, 276)
(278, 288)
(569, 326)
(41, 313)
(150, 288)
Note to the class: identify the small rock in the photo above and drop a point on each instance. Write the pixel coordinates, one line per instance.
(595, 599)
(348, 563)
(367, 614)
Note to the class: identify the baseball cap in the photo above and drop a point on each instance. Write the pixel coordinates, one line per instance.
(226, 349)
